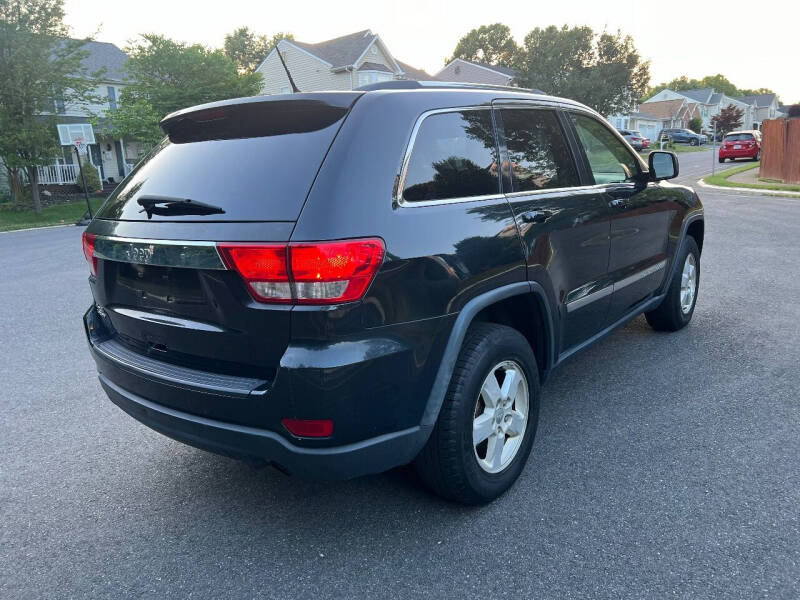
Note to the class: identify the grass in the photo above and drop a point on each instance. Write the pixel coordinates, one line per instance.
(677, 148)
(721, 179)
(61, 214)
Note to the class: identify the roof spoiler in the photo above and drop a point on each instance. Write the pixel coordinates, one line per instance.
(257, 116)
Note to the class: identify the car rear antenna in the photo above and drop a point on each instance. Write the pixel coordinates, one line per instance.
(285, 68)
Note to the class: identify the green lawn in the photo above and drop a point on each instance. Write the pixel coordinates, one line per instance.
(677, 148)
(721, 179)
(61, 214)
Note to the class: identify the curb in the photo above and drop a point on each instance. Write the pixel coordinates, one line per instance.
(755, 191)
(39, 228)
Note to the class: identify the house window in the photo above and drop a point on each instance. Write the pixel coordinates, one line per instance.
(367, 77)
(285, 89)
(112, 96)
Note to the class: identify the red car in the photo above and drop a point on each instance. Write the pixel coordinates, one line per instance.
(740, 144)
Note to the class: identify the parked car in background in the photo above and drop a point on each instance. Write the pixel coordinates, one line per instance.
(393, 297)
(635, 138)
(645, 142)
(684, 136)
(740, 144)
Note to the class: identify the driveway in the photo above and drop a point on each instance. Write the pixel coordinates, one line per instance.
(666, 465)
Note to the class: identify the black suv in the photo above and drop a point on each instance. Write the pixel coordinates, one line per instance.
(339, 283)
(683, 136)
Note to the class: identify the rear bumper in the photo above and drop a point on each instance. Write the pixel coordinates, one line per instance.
(743, 153)
(249, 443)
(375, 428)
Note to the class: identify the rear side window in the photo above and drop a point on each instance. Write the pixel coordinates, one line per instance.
(454, 156)
(537, 149)
(609, 160)
(250, 162)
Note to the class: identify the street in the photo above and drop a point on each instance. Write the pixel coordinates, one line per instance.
(665, 465)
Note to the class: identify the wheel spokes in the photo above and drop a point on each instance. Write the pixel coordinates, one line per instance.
(494, 451)
(516, 424)
(490, 392)
(482, 427)
(511, 383)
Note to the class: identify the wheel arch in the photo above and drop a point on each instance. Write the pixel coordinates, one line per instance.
(504, 305)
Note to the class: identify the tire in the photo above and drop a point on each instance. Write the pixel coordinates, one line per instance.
(722, 160)
(694, 142)
(450, 464)
(757, 157)
(674, 313)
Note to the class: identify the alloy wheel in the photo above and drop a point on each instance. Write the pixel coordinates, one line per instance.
(688, 284)
(501, 416)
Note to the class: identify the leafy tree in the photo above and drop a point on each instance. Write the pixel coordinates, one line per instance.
(163, 76)
(248, 50)
(696, 124)
(39, 64)
(728, 119)
(491, 44)
(719, 82)
(603, 71)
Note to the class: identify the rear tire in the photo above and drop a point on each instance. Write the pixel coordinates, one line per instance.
(452, 464)
(694, 142)
(722, 160)
(677, 308)
(757, 157)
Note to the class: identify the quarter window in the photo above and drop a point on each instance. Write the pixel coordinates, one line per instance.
(609, 160)
(454, 156)
(537, 150)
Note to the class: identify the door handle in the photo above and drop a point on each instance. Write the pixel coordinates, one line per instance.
(535, 216)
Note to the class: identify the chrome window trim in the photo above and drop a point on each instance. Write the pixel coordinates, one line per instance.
(613, 287)
(599, 187)
(401, 178)
(160, 253)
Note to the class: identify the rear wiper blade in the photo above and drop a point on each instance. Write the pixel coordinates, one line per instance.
(166, 205)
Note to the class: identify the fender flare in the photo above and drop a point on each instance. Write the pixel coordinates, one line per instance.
(696, 216)
(459, 331)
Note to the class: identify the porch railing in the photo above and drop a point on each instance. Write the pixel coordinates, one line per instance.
(61, 174)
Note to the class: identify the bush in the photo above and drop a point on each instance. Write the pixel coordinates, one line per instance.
(696, 124)
(92, 179)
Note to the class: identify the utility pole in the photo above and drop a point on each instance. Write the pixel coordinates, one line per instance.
(714, 149)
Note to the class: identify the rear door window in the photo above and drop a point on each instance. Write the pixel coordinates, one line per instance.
(537, 150)
(454, 155)
(609, 159)
(250, 162)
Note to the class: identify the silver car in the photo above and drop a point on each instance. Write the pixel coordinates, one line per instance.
(634, 138)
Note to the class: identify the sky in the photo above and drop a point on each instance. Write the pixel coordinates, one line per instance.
(753, 44)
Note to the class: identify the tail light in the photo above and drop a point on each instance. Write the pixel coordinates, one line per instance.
(87, 241)
(306, 273)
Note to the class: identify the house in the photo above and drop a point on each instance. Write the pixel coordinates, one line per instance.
(476, 72)
(764, 106)
(649, 126)
(673, 113)
(709, 102)
(343, 63)
(112, 156)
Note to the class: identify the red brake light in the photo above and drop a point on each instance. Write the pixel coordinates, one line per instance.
(87, 241)
(306, 273)
(309, 427)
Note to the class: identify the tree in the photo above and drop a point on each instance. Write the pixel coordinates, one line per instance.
(603, 71)
(491, 44)
(728, 119)
(39, 68)
(719, 82)
(248, 50)
(163, 76)
(696, 124)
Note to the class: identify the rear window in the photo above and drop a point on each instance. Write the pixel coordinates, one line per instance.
(538, 151)
(454, 156)
(739, 137)
(252, 162)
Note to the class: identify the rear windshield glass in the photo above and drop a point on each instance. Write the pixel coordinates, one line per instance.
(738, 137)
(211, 161)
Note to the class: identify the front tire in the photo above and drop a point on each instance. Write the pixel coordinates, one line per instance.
(677, 308)
(694, 142)
(487, 423)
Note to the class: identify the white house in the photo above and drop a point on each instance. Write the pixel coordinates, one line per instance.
(647, 125)
(112, 156)
(343, 63)
(764, 106)
(476, 72)
(710, 103)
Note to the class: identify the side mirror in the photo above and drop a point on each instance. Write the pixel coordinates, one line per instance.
(663, 165)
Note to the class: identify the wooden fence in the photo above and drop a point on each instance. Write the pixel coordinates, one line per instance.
(780, 150)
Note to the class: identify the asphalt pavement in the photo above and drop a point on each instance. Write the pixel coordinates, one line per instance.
(665, 466)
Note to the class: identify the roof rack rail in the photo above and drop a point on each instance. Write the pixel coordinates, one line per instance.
(410, 84)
